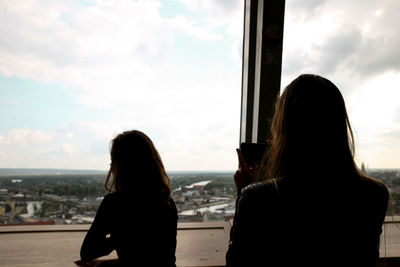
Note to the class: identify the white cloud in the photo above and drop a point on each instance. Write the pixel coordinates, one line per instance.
(58, 41)
(376, 106)
(218, 13)
(73, 147)
(225, 14)
(374, 112)
(25, 137)
(113, 53)
(342, 37)
(70, 149)
(181, 22)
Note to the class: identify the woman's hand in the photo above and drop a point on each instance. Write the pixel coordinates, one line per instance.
(97, 263)
(82, 263)
(245, 175)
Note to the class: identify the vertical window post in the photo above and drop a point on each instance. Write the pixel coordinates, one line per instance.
(262, 65)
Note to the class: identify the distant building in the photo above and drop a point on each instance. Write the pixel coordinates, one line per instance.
(3, 191)
(191, 193)
(197, 186)
(180, 198)
(11, 205)
(363, 169)
(204, 218)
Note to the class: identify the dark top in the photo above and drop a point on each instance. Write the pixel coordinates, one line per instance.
(289, 223)
(142, 231)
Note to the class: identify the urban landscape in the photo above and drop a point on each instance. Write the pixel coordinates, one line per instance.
(51, 197)
(59, 198)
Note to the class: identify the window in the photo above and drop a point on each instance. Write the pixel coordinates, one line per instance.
(73, 74)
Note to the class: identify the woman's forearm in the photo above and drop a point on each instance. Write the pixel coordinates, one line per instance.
(94, 247)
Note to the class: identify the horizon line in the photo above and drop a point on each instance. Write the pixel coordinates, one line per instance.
(99, 170)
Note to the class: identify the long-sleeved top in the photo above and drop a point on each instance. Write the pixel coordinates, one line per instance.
(142, 230)
(291, 223)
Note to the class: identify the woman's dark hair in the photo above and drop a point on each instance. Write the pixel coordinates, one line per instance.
(310, 131)
(136, 166)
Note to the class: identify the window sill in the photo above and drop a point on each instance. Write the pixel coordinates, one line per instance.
(199, 244)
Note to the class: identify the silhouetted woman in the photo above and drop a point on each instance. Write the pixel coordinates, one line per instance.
(314, 207)
(137, 217)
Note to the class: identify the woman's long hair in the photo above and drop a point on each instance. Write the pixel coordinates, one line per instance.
(310, 131)
(136, 166)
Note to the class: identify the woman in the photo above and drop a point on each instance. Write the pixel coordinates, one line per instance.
(137, 217)
(314, 208)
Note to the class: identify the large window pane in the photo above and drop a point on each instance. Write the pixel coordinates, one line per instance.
(73, 74)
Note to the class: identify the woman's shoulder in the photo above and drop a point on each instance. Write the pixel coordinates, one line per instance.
(112, 196)
(117, 198)
(259, 186)
(109, 199)
(132, 197)
(259, 190)
(256, 197)
(374, 186)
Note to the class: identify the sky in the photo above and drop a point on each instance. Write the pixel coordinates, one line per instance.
(74, 74)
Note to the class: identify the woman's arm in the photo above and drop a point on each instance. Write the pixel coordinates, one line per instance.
(240, 231)
(172, 221)
(240, 245)
(96, 242)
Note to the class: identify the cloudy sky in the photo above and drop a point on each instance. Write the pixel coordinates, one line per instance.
(75, 73)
